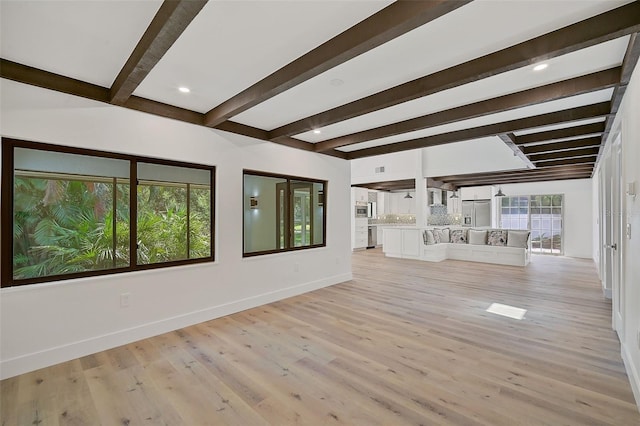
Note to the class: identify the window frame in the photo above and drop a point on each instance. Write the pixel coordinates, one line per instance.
(288, 209)
(530, 219)
(6, 218)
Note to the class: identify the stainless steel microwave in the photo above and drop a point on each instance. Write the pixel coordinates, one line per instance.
(361, 210)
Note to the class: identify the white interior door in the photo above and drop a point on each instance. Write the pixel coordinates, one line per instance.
(616, 238)
(606, 225)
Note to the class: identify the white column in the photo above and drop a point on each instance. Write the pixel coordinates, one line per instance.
(422, 210)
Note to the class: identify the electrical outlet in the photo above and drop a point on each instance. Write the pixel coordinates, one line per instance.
(125, 300)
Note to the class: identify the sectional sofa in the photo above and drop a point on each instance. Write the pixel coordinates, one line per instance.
(435, 244)
(500, 246)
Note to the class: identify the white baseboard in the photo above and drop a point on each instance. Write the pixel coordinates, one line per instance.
(632, 373)
(55, 355)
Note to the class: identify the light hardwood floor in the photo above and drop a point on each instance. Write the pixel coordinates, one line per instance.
(405, 342)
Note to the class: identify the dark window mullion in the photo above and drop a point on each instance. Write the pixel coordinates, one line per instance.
(7, 213)
(133, 215)
(188, 220)
(212, 177)
(114, 243)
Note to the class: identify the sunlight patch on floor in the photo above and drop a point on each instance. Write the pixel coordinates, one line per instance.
(507, 311)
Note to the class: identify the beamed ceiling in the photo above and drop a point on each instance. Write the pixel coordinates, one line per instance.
(349, 79)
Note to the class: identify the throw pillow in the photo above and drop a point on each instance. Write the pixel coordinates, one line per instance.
(477, 237)
(428, 237)
(441, 235)
(459, 236)
(518, 239)
(497, 237)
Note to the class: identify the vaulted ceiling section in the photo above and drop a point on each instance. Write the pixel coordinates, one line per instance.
(392, 76)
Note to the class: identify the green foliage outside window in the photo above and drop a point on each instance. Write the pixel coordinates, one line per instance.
(64, 226)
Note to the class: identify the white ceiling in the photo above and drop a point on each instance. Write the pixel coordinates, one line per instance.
(86, 40)
(231, 45)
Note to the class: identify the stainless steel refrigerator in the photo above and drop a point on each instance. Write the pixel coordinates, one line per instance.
(476, 213)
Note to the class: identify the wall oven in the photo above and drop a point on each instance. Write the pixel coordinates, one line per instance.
(361, 210)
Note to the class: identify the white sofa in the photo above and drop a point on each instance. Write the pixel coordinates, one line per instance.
(502, 255)
(408, 243)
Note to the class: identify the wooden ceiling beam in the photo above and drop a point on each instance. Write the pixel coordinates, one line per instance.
(598, 29)
(167, 25)
(541, 178)
(514, 173)
(550, 92)
(47, 80)
(405, 185)
(562, 146)
(566, 161)
(564, 154)
(569, 132)
(552, 118)
(392, 185)
(500, 178)
(510, 140)
(385, 25)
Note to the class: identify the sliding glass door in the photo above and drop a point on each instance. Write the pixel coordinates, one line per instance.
(542, 214)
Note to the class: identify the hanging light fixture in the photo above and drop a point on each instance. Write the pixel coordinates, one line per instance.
(500, 193)
(408, 195)
(454, 195)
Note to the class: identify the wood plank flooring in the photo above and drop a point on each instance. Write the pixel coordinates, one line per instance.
(405, 342)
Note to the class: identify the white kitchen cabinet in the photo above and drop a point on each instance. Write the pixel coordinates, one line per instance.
(476, 193)
(360, 234)
(360, 194)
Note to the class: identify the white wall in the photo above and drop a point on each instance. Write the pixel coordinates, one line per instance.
(45, 324)
(475, 156)
(397, 166)
(627, 121)
(578, 211)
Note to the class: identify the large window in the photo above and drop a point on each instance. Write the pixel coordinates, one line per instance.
(282, 213)
(542, 214)
(77, 213)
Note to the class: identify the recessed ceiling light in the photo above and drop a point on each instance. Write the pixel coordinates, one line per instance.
(540, 67)
(317, 132)
(184, 89)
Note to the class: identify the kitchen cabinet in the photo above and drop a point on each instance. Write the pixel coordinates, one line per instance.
(476, 193)
(360, 194)
(360, 233)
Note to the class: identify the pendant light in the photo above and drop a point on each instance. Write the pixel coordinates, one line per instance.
(454, 195)
(500, 193)
(408, 195)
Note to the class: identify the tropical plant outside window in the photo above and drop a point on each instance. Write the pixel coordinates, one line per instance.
(282, 213)
(71, 213)
(542, 214)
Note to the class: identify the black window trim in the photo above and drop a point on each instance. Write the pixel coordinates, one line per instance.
(289, 178)
(6, 218)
